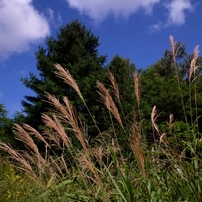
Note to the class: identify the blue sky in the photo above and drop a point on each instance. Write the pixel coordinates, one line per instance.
(134, 29)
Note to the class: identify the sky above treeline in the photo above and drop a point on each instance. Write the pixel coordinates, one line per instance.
(134, 29)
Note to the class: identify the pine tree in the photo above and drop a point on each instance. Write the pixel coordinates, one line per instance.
(76, 49)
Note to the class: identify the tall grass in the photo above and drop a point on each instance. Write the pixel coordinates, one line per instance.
(71, 168)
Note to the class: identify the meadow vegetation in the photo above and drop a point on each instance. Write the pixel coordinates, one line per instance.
(61, 162)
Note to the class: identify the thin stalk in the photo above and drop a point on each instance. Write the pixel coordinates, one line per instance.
(196, 104)
(174, 53)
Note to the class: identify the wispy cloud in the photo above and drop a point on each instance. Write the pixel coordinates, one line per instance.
(155, 27)
(98, 10)
(54, 19)
(177, 11)
(21, 25)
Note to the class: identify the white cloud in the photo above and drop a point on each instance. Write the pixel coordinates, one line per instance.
(56, 21)
(176, 14)
(21, 25)
(155, 27)
(50, 13)
(177, 9)
(98, 10)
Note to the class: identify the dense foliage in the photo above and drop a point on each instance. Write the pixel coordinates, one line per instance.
(6, 133)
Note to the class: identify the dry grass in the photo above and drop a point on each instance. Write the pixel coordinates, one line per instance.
(55, 132)
(154, 116)
(22, 163)
(114, 85)
(34, 132)
(23, 136)
(52, 122)
(137, 88)
(137, 147)
(192, 78)
(172, 43)
(193, 65)
(66, 115)
(67, 78)
(108, 102)
(86, 164)
(65, 75)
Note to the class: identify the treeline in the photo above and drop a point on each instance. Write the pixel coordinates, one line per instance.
(172, 84)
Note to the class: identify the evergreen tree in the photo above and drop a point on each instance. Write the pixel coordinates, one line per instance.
(76, 49)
